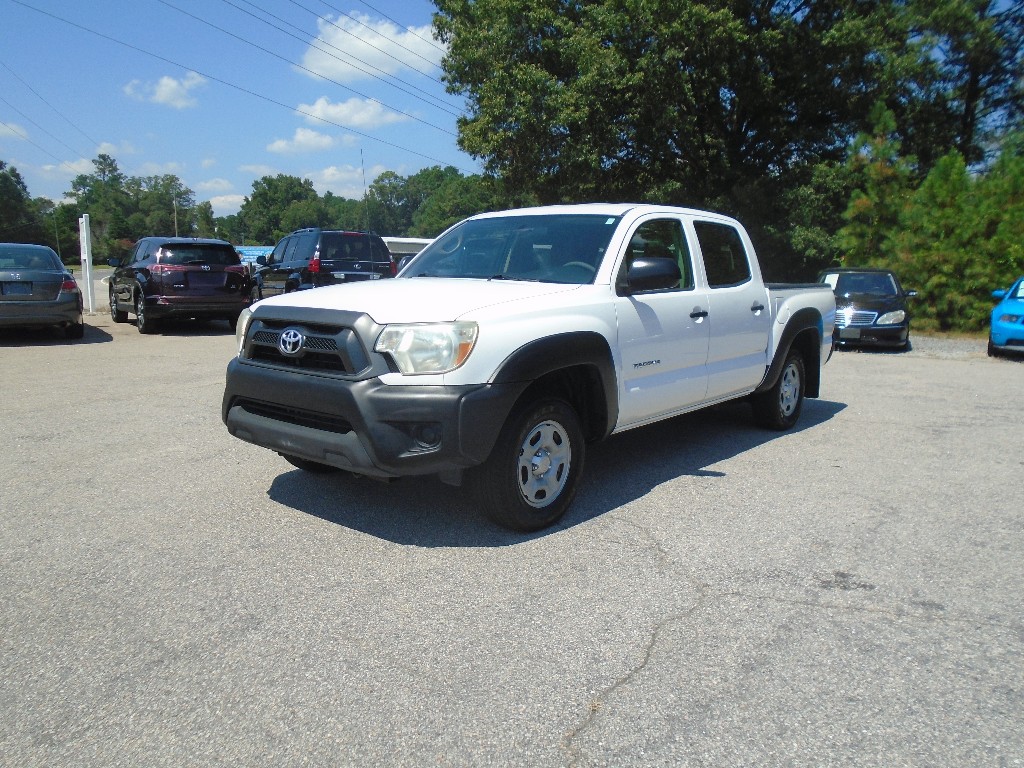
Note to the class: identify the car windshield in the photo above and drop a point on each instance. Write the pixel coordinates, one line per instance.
(199, 253)
(871, 283)
(551, 248)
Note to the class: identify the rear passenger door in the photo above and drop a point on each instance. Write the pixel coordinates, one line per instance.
(663, 334)
(737, 311)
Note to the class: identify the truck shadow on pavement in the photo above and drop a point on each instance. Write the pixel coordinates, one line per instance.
(423, 512)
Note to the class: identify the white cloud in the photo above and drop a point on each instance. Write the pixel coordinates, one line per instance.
(376, 43)
(344, 180)
(116, 150)
(159, 169)
(167, 90)
(69, 169)
(214, 185)
(259, 171)
(361, 114)
(226, 205)
(13, 131)
(208, 162)
(304, 140)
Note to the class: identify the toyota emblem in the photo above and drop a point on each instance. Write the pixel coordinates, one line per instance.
(290, 342)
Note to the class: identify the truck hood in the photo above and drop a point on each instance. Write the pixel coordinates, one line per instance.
(418, 299)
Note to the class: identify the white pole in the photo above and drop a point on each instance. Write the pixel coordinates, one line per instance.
(85, 239)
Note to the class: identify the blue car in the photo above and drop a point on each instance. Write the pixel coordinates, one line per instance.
(1007, 330)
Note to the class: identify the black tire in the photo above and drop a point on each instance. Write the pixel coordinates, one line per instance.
(116, 314)
(532, 474)
(309, 466)
(992, 351)
(74, 331)
(779, 407)
(143, 323)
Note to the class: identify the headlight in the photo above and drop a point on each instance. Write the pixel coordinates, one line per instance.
(241, 327)
(891, 318)
(1010, 319)
(434, 348)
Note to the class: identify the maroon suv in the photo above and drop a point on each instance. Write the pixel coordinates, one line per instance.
(178, 277)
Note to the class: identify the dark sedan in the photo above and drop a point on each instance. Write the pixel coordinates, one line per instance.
(871, 308)
(37, 290)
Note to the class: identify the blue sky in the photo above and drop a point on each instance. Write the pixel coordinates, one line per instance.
(223, 92)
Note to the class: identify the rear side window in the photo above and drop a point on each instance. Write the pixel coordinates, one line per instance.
(302, 247)
(199, 253)
(725, 258)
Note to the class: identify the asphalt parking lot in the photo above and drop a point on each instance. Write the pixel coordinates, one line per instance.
(848, 593)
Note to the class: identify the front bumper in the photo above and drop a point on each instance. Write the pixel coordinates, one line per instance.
(365, 426)
(872, 335)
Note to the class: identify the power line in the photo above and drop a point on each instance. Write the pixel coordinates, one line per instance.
(296, 65)
(381, 13)
(72, 150)
(61, 114)
(234, 86)
(360, 23)
(306, 39)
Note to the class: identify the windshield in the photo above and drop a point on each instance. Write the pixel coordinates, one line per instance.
(872, 283)
(550, 248)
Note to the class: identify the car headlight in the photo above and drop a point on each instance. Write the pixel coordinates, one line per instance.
(241, 328)
(1010, 319)
(892, 318)
(428, 348)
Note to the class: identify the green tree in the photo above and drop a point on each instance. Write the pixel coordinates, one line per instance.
(263, 210)
(102, 195)
(206, 224)
(19, 221)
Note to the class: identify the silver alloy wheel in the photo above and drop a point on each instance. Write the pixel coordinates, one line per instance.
(789, 389)
(544, 461)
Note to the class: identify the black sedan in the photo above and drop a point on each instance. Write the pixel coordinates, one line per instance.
(38, 291)
(871, 308)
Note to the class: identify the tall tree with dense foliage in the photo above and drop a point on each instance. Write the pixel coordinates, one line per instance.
(264, 211)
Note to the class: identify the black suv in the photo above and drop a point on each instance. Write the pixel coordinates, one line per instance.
(309, 258)
(182, 277)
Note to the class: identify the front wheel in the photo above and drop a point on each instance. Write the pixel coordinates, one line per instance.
(532, 474)
(779, 407)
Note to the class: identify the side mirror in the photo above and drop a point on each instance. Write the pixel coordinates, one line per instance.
(652, 275)
(910, 294)
(112, 262)
(1000, 294)
(262, 260)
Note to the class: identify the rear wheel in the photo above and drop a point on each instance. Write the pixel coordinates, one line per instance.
(532, 474)
(117, 315)
(309, 466)
(142, 322)
(74, 331)
(779, 407)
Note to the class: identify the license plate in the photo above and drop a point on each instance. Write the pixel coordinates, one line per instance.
(849, 333)
(339, 275)
(17, 289)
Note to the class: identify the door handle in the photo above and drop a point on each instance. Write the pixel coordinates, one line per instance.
(757, 307)
(698, 312)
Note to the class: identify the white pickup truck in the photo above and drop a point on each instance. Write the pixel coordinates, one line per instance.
(518, 337)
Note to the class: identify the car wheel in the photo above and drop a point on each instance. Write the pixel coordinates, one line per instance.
(74, 331)
(532, 474)
(992, 351)
(117, 315)
(255, 294)
(779, 407)
(309, 466)
(143, 323)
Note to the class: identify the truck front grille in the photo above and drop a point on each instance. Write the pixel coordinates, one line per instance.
(327, 349)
